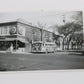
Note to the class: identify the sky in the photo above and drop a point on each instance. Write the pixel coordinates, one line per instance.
(45, 17)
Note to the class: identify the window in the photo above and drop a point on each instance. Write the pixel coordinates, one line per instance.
(0, 30)
(7, 29)
(4, 30)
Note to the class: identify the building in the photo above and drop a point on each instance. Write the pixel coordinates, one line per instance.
(18, 35)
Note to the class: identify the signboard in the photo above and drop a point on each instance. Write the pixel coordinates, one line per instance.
(21, 30)
(13, 30)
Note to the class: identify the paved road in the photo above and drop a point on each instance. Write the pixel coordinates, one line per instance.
(50, 61)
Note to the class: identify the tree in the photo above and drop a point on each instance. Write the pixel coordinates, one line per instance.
(41, 26)
(69, 30)
(78, 17)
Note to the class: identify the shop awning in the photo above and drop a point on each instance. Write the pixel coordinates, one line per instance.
(23, 40)
(13, 39)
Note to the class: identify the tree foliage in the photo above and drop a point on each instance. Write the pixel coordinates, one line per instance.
(78, 17)
(41, 25)
(71, 31)
(69, 28)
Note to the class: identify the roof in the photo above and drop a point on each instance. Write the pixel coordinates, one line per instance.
(43, 42)
(15, 20)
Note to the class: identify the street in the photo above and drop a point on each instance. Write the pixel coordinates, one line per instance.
(49, 61)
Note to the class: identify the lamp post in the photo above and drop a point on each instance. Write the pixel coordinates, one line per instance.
(64, 19)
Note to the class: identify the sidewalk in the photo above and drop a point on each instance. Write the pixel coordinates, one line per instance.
(70, 51)
(73, 52)
(14, 52)
(20, 53)
(2, 51)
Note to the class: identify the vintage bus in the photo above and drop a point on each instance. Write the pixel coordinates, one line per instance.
(39, 46)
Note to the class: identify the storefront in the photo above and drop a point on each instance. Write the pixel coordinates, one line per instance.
(13, 44)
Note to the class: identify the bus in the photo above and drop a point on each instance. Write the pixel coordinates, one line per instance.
(39, 46)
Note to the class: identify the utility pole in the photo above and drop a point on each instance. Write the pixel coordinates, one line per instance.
(41, 33)
(63, 37)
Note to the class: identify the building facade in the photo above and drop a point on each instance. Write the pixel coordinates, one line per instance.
(18, 36)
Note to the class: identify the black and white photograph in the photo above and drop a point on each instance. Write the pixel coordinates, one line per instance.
(41, 40)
